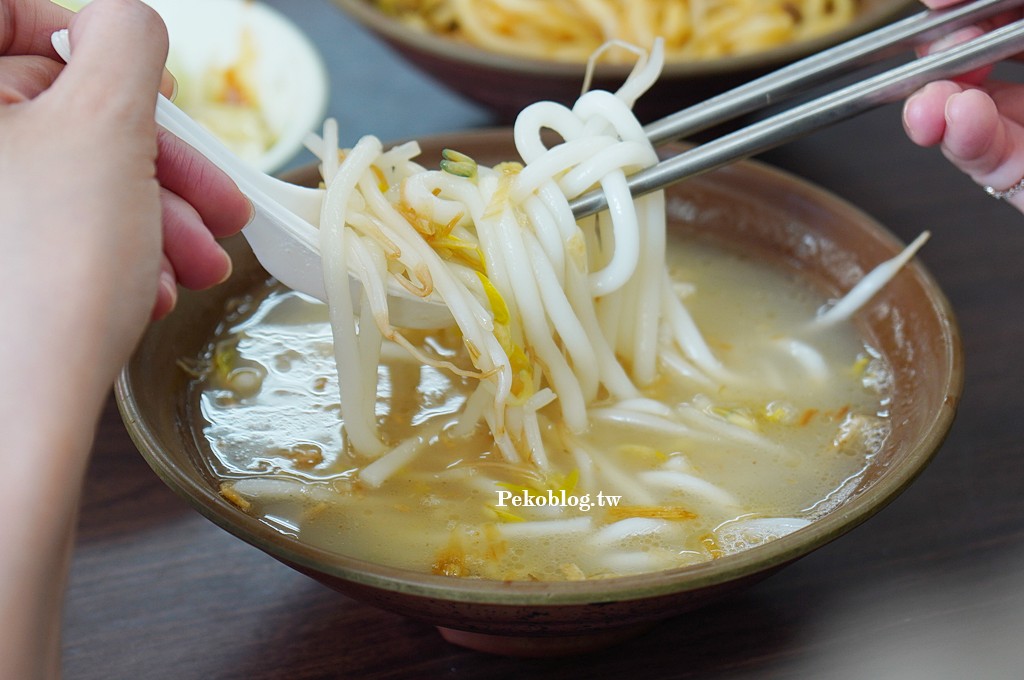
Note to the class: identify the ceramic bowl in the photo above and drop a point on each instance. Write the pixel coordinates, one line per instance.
(280, 65)
(284, 69)
(507, 84)
(766, 213)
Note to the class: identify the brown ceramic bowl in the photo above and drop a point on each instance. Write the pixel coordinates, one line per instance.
(766, 213)
(506, 84)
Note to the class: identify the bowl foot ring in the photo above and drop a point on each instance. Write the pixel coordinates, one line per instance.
(541, 645)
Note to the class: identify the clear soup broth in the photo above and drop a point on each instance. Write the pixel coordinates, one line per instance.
(695, 471)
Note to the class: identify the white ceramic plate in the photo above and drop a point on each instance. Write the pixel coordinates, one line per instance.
(288, 76)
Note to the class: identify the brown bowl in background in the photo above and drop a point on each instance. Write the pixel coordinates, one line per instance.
(506, 84)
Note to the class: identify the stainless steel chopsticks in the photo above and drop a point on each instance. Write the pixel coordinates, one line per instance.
(798, 76)
(886, 87)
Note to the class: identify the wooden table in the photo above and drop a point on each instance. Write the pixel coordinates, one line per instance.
(932, 587)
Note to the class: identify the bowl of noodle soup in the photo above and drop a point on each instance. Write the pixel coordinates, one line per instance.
(507, 55)
(749, 211)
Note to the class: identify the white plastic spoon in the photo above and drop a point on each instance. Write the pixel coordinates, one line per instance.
(282, 233)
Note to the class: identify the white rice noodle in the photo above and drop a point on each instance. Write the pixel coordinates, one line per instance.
(472, 411)
(573, 335)
(690, 484)
(398, 160)
(527, 295)
(378, 472)
(643, 421)
(585, 465)
(271, 489)
(644, 74)
(807, 357)
(589, 305)
(360, 421)
(868, 287)
(607, 475)
(637, 561)
(646, 405)
(531, 426)
(689, 339)
(722, 429)
(673, 361)
(549, 163)
(626, 529)
(547, 236)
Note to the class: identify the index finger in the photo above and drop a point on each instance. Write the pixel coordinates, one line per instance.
(26, 26)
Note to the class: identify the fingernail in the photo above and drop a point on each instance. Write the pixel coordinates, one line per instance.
(942, 44)
(167, 297)
(953, 39)
(168, 83)
(169, 285)
(907, 105)
(252, 212)
(949, 112)
(229, 267)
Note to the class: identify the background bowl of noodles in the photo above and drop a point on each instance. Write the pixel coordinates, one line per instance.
(506, 73)
(760, 212)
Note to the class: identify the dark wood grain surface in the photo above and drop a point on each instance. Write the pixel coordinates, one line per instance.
(933, 587)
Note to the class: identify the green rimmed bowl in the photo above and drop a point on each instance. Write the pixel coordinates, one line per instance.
(766, 213)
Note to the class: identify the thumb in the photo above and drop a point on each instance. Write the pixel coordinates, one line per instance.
(118, 52)
(984, 144)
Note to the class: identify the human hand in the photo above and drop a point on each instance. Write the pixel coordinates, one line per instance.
(102, 211)
(977, 122)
